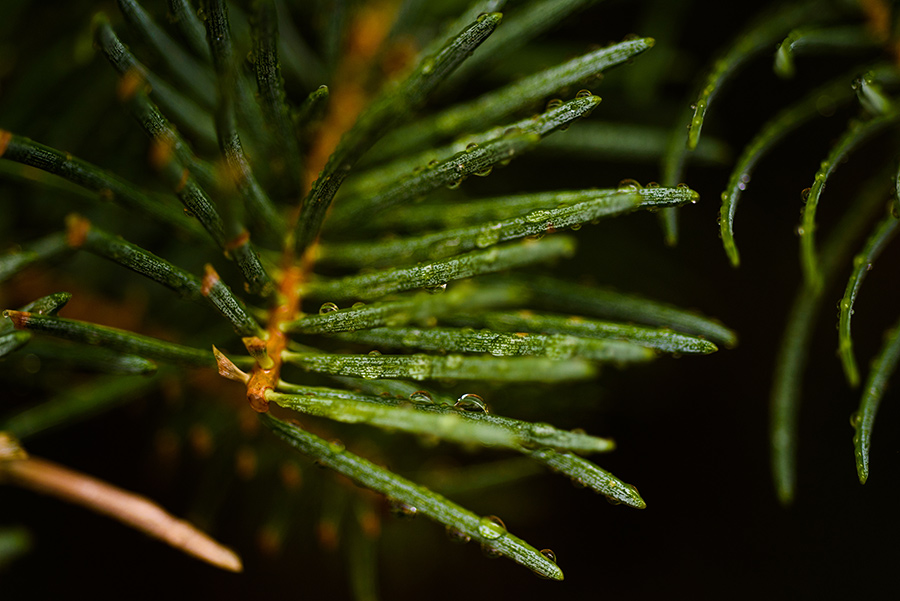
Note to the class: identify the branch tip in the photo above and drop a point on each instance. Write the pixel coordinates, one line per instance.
(227, 369)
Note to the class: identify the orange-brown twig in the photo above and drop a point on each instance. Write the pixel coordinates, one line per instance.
(366, 35)
(43, 476)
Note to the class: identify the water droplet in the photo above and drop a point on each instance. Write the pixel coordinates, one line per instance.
(402, 510)
(537, 216)
(652, 185)
(374, 353)
(583, 94)
(491, 527)
(422, 397)
(437, 288)
(471, 402)
(455, 184)
(576, 226)
(428, 66)
(327, 308)
(358, 305)
(628, 185)
(336, 446)
(488, 236)
(552, 104)
(485, 172)
(511, 131)
(433, 162)
(682, 186)
(800, 231)
(549, 554)
(471, 146)
(804, 193)
(457, 536)
(189, 212)
(855, 419)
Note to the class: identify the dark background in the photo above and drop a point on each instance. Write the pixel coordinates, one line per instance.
(691, 431)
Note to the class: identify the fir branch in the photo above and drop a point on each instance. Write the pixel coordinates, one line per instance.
(272, 94)
(108, 186)
(862, 264)
(763, 33)
(190, 116)
(450, 165)
(856, 134)
(793, 350)
(426, 502)
(490, 108)
(426, 418)
(760, 35)
(437, 274)
(111, 338)
(841, 39)
(185, 18)
(380, 117)
(432, 367)
(587, 474)
(502, 344)
(618, 141)
(82, 234)
(300, 62)
(44, 249)
(256, 201)
(553, 294)
(182, 169)
(10, 342)
(661, 339)
(863, 419)
(571, 213)
(191, 75)
(311, 109)
(420, 307)
(524, 24)
(770, 134)
(609, 202)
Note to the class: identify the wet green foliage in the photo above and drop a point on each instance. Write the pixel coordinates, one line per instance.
(866, 33)
(412, 195)
(188, 87)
